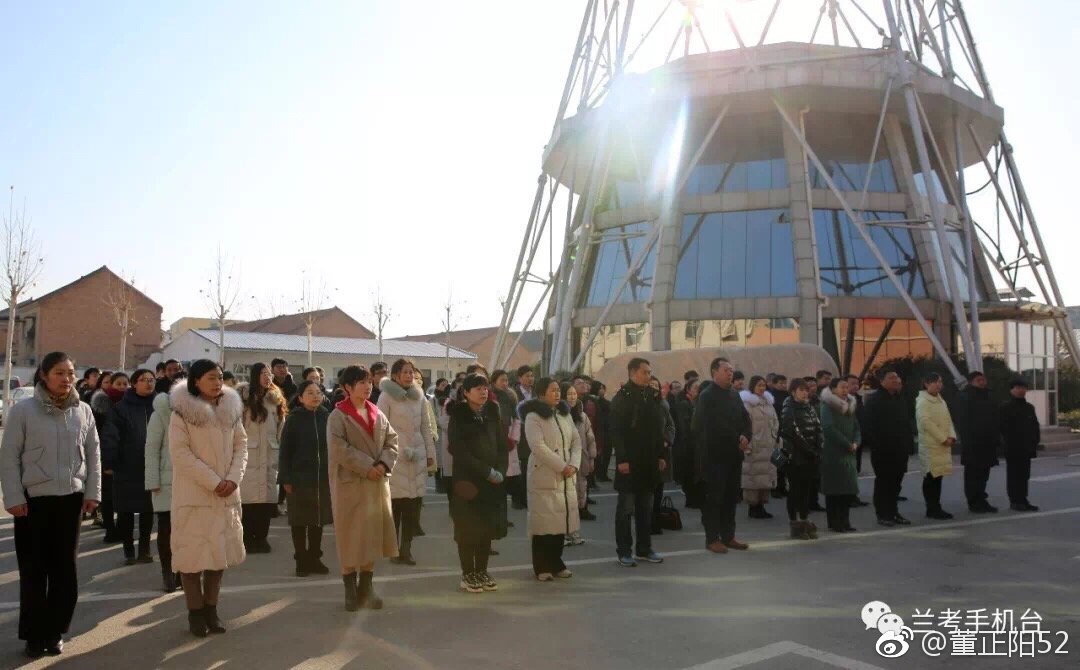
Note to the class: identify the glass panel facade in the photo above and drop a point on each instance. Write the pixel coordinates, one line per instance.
(736, 255)
(899, 338)
(612, 341)
(956, 261)
(615, 253)
(743, 332)
(935, 185)
(745, 154)
(849, 268)
(843, 143)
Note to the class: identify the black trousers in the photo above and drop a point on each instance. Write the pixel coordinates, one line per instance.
(125, 523)
(108, 517)
(406, 520)
(721, 499)
(636, 506)
(975, 478)
(515, 486)
(838, 510)
(858, 460)
(547, 553)
(474, 556)
(931, 491)
(800, 480)
(256, 519)
(889, 471)
(46, 543)
(603, 460)
(1017, 474)
(307, 541)
(164, 537)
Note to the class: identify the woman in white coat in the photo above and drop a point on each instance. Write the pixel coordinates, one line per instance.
(758, 472)
(264, 415)
(157, 477)
(404, 405)
(554, 459)
(208, 449)
(588, 453)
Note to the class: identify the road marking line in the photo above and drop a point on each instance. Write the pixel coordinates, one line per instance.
(1054, 478)
(778, 649)
(308, 583)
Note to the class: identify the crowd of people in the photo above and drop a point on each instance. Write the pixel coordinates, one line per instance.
(213, 460)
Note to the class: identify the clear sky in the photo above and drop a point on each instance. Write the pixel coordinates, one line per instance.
(376, 143)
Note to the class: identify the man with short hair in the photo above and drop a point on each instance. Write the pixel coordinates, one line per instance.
(979, 438)
(283, 378)
(524, 383)
(1020, 429)
(172, 368)
(637, 433)
(887, 431)
(378, 373)
(723, 430)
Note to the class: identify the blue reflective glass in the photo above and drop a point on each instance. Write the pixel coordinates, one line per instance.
(848, 267)
(616, 251)
(736, 255)
(852, 176)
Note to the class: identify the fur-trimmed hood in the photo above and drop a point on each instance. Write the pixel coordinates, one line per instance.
(394, 390)
(543, 409)
(72, 400)
(836, 404)
(751, 398)
(196, 411)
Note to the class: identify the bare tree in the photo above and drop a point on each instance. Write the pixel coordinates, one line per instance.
(121, 299)
(382, 315)
(314, 295)
(22, 268)
(449, 324)
(265, 308)
(222, 296)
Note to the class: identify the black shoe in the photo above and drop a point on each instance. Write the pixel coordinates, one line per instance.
(145, 558)
(493, 552)
(169, 582)
(34, 649)
(366, 592)
(888, 523)
(657, 530)
(213, 623)
(197, 623)
(586, 515)
(111, 538)
(850, 529)
(900, 521)
(939, 514)
(403, 559)
(352, 598)
(589, 501)
(302, 569)
(317, 567)
(815, 507)
(55, 647)
(859, 503)
(901, 498)
(519, 505)
(130, 560)
(982, 507)
(779, 493)
(1023, 507)
(419, 531)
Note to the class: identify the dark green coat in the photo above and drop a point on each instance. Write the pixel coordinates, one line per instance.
(302, 462)
(841, 427)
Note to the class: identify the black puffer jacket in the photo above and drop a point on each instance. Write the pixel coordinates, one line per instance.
(637, 434)
(800, 428)
(479, 445)
(123, 450)
(978, 426)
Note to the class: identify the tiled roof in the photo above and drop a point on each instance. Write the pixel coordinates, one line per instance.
(332, 345)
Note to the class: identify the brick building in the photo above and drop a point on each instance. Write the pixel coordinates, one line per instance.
(77, 319)
(330, 322)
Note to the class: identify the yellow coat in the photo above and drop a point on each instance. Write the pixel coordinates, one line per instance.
(935, 427)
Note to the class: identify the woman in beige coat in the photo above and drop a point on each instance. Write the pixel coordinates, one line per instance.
(362, 452)
(264, 415)
(554, 459)
(208, 449)
(936, 439)
(758, 472)
(588, 453)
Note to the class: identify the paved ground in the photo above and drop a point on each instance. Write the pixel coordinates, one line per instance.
(784, 604)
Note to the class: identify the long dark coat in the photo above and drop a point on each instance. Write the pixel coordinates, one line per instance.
(303, 463)
(637, 435)
(123, 450)
(1020, 428)
(887, 428)
(978, 428)
(682, 451)
(479, 444)
(720, 419)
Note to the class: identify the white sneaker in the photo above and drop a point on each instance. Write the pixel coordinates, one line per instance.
(564, 574)
(544, 577)
(574, 540)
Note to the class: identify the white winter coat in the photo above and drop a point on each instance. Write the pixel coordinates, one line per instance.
(554, 443)
(207, 445)
(263, 449)
(407, 413)
(158, 472)
(758, 472)
(444, 459)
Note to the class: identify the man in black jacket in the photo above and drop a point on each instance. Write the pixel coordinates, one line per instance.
(723, 430)
(164, 384)
(1020, 428)
(778, 387)
(888, 433)
(979, 438)
(636, 430)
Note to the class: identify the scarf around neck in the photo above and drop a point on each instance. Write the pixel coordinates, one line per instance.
(367, 423)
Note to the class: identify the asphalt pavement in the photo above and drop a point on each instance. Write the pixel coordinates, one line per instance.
(782, 604)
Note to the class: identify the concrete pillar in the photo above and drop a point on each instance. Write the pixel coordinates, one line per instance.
(800, 209)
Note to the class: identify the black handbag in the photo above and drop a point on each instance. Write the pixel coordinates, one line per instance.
(669, 516)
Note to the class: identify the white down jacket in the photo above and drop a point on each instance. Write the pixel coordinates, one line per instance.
(207, 445)
(408, 416)
(263, 449)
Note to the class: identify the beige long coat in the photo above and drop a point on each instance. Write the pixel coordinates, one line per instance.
(554, 443)
(363, 522)
(207, 445)
(264, 449)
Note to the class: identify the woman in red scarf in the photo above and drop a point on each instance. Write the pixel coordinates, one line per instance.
(362, 451)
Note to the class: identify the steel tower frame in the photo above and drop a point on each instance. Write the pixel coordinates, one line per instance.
(915, 35)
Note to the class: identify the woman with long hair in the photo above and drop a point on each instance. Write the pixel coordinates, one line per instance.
(264, 413)
(554, 459)
(508, 401)
(758, 472)
(50, 474)
(208, 450)
(102, 399)
(404, 406)
(303, 472)
(588, 454)
(362, 452)
(839, 478)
